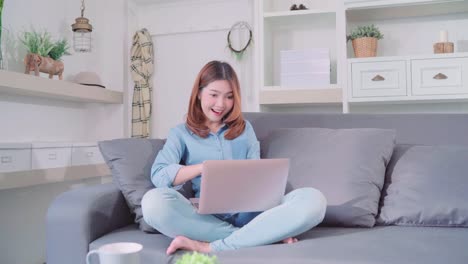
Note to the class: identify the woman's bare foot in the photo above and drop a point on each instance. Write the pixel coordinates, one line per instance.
(181, 242)
(290, 240)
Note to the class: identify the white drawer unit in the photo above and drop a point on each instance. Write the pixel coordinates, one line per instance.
(50, 155)
(378, 79)
(85, 154)
(15, 157)
(439, 76)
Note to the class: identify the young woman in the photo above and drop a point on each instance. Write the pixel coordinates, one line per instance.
(214, 130)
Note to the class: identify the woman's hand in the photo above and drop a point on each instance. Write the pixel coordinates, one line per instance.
(187, 173)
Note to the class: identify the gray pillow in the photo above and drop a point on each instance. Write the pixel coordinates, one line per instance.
(346, 165)
(426, 186)
(130, 162)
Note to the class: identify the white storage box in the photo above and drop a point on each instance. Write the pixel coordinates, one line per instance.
(86, 154)
(309, 68)
(305, 54)
(47, 155)
(15, 157)
(305, 80)
(305, 66)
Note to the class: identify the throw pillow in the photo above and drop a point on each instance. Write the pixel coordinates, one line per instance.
(130, 162)
(426, 186)
(346, 165)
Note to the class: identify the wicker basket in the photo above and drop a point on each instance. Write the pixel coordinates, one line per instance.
(365, 47)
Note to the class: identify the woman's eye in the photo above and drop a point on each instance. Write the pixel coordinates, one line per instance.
(213, 95)
(230, 97)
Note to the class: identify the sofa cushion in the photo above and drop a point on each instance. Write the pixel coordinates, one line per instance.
(426, 185)
(324, 245)
(130, 162)
(347, 165)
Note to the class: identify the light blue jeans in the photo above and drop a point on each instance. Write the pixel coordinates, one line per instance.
(172, 214)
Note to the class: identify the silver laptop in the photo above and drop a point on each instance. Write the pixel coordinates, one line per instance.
(234, 186)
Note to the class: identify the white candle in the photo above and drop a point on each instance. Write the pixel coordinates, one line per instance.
(443, 36)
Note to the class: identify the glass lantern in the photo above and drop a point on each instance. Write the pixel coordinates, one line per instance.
(82, 32)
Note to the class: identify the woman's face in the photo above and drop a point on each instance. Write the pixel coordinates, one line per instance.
(216, 100)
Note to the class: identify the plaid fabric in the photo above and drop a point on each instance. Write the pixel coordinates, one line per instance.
(141, 69)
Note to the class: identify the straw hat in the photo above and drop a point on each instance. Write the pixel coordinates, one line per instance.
(88, 78)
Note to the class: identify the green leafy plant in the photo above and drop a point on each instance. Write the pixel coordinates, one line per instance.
(365, 31)
(41, 43)
(197, 258)
(1, 53)
(1, 9)
(60, 48)
(37, 42)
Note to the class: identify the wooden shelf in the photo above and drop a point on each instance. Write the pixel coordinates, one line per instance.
(10, 180)
(276, 95)
(29, 85)
(298, 13)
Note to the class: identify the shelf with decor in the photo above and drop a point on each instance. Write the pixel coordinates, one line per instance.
(15, 83)
(308, 12)
(411, 27)
(298, 53)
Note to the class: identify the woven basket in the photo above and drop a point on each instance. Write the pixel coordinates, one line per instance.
(365, 47)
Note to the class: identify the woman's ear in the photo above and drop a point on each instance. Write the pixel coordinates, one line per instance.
(199, 94)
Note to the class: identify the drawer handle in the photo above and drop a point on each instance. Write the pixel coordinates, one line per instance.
(378, 78)
(7, 159)
(89, 154)
(52, 156)
(440, 76)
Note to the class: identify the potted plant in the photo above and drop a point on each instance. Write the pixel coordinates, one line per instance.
(43, 53)
(60, 48)
(197, 258)
(364, 40)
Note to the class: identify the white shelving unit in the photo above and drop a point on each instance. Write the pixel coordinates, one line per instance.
(405, 55)
(411, 27)
(282, 29)
(29, 85)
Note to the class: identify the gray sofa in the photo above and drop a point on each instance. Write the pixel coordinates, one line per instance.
(420, 216)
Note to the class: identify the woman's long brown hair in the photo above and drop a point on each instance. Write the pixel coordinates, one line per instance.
(215, 71)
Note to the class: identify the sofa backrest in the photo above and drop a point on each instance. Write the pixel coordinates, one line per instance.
(418, 129)
(425, 181)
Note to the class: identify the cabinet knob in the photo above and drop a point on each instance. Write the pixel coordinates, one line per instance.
(52, 156)
(378, 78)
(440, 76)
(7, 159)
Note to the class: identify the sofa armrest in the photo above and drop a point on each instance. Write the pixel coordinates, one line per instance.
(78, 217)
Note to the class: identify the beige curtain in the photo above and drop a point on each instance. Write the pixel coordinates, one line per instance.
(141, 69)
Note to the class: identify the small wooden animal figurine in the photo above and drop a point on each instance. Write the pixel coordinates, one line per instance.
(37, 63)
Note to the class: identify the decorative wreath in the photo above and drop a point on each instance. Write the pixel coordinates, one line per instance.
(239, 53)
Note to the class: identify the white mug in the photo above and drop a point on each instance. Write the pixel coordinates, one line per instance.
(117, 253)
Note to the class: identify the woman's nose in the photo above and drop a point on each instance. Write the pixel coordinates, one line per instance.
(220, 102)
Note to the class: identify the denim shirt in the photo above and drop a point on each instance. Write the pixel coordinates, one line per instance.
(184, 146)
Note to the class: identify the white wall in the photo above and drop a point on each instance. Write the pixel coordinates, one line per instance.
(23, 210)
(184, 46)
